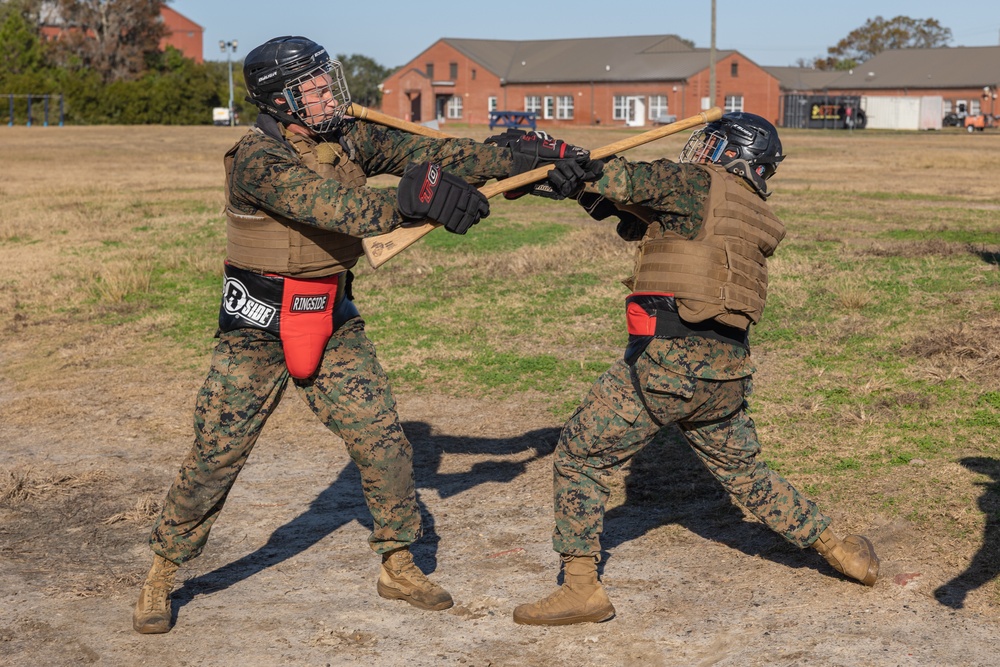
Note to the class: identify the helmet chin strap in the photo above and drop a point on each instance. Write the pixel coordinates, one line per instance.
(742, 168)
(283, 116)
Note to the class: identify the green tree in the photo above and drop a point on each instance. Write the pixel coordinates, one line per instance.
(29, 9)
(174, 91)
(878, 35)
(21, 51)
(218, 71)
(364, 76)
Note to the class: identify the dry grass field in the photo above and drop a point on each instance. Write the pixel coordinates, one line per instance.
(878, 395)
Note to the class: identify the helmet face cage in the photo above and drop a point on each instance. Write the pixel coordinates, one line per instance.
(309, 94)
(704, 146)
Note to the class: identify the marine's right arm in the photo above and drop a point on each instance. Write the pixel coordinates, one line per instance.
(268, 175)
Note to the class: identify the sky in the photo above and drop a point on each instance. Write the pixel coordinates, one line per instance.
(392, 32)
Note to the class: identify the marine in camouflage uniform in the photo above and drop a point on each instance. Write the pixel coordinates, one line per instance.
(700, 282)
(297, 207)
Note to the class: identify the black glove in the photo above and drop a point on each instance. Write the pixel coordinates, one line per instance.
(531, 149)
(539, 189)
(428, 191)
(568, 177)
(630, 227)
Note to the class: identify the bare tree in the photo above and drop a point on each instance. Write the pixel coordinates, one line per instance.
(878, 35)
(113, 37)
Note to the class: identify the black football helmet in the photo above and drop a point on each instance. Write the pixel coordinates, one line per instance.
(294, 79)
(744, 143)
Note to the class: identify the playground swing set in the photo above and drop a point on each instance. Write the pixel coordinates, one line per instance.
(32, 101)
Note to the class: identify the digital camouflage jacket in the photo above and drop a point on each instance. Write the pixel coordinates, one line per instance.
(268, 174)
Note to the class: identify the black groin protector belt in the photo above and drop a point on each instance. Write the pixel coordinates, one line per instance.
(654, 315)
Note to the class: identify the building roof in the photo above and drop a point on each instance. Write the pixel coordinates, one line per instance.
(643, 58)
(943, 67)
(792, 79)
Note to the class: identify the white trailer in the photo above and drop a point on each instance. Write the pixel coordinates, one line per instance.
(903, 113)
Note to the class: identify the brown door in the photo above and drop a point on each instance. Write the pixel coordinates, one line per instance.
(415, 108)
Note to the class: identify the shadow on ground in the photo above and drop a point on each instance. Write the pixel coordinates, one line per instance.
(666, 483)
(342, 502)
(985, 565)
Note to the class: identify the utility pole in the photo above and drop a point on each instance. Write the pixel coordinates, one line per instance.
(229, 48)
(711, 64)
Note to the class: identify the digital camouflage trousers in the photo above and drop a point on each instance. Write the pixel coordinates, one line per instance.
(349, 393)
(613, 424)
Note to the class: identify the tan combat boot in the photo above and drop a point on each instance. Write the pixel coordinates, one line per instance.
(152, 611)
(581, 598)
(401, 579)
(854, 556)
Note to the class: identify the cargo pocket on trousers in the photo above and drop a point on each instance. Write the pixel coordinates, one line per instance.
(657, 381)
(615, 392)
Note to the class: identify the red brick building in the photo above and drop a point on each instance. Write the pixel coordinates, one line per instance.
(957, 74)
(960, 81)
(182, 33)
(597, 81)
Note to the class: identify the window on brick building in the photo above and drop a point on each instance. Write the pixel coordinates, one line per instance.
(532, 103)
(491, 104)
(620, 109)
(734, 103)
(657, 106)
(734, 70)
(454, 108)
(473, 73)
(429, 67)
(549, 107)
(564, 107)
(453, 71)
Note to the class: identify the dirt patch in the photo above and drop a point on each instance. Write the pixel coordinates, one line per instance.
(96, 407)
(288, 578)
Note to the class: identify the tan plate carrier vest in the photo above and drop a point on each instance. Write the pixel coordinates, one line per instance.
(273, 244)
(721, 273)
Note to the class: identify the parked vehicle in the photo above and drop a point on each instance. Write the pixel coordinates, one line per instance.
(983, 120)
(220, 116)
(953, 120)
(979, 122)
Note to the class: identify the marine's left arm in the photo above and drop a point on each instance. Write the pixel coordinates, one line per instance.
(662, 191)
(384, 150)
(662, 185)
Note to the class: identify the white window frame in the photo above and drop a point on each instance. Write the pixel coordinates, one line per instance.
(620, 107)
(533, 103)
(491, 103)
(656, 109)
(548, 107)
(564, 107)
(734, 103)
(453, 109)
